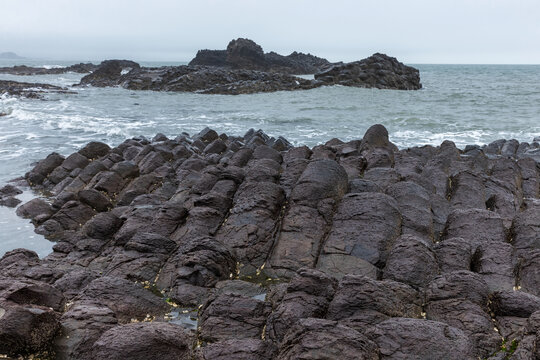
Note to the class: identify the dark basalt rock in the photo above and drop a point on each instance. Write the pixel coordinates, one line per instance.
(323, 339)
(30, 90)
(25, 330)
(401, 338)
(109, 72)
(199, 79)
(29, 70)
(378, 71)
(233, 317)
(246, 54)
(144, 341)
(237, 349)
(7, 196)
(244, 68)
(355, 250)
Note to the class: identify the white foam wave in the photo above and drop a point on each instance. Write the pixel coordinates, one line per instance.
(48, 67)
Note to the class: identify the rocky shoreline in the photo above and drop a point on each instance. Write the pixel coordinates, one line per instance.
(243, 68)
(24, 70)
(221, 247)
(29, 90)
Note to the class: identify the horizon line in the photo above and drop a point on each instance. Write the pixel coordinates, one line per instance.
(22, 58)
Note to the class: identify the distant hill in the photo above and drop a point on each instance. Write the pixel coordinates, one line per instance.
(10, 55)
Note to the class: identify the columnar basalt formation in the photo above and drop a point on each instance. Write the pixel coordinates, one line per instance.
(224, 247)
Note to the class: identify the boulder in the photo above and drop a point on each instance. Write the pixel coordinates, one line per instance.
(324, 339)
(411, 261)
(237, 349)
(401, 338)
(360, 301)
(379, 71)
(26, 329)
(230, 317)
(128, 300)
(144, 341)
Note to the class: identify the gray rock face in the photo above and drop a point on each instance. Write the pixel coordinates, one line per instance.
(255, 249)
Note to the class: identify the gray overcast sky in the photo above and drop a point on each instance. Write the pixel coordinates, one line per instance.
(415, 31)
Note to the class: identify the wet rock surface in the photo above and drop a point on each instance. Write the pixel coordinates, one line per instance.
(30, 90)
(225, 247)
(24, 70)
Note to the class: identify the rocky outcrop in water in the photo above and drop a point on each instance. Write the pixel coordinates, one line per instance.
(246, 54)
(29, 90)
(223, 247)
(199, 79)
(81, 68)
(377, 71)
(243, 68)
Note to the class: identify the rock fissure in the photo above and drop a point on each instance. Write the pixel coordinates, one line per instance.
(350, 249)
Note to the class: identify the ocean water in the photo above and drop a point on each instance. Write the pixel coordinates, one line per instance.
(468, 104)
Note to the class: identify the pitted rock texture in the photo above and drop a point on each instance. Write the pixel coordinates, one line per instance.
(224, 247)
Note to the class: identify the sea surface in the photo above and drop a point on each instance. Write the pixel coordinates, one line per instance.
(468, 104)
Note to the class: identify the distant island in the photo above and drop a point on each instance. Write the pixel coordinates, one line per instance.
(10, 55)
(242, 68)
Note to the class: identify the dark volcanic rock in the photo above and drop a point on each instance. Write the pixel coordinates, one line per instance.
(360, 301)
(400, 339)
(237, 349)
(307, 295)
(349, 249)
(244, 68)
(29, 90)
(378, 71)
(26, 329)
(109, 72)
(233, 317)
(206, 80)
(323, 339)
(365, 227)
(29, 70)
(246, 54)
(411, 261)
(144, 341)
(82, 325)
(128, 300)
